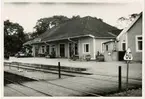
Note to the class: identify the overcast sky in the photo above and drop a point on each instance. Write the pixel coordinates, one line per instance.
(27, 14)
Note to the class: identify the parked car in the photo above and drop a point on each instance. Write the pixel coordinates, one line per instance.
(22, 54)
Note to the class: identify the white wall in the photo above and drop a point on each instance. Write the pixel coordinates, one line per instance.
(99, 43)
(123, 38)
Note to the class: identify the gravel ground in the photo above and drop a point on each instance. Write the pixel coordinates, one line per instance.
(129, 93)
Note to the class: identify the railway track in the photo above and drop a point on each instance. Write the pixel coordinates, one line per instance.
(63, 72)
(17, 90)
(74, 75)
(53, 71)
(112, 80)
(83, 93)
(48, 67)
(14, 82)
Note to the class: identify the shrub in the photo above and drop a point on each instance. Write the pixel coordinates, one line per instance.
(52, 55)
(88, 57)
(100, 58)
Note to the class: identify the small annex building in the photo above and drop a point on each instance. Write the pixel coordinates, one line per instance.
(130, 37)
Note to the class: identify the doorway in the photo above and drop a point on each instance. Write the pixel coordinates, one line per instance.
(73, 49)
(48, 49)
(62, 50)
(36, 50)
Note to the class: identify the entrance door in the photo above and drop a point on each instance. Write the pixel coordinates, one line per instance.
(62, 50)
(47, 49)
(70, 49)
(73, 49)
(36, 50)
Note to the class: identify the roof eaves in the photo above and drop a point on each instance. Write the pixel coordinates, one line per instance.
(109, 41)
(32, 42)
(70, 37)
(112, 34)
(104, 37)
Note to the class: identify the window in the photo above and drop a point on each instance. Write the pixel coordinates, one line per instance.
(138, 43)
(106, 47)
(86, 48)
(123, 46)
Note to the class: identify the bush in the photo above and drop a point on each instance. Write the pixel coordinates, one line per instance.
(52, 55)
(41, 55)
(74, 57)
(88, 57)
(100, 58)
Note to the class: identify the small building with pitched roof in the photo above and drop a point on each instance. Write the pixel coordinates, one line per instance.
(79, 37)
(131, 37)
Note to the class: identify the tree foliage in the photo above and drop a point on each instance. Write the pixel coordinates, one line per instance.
(125, 21)
(14, 37)
(44, 24)
(75, 17)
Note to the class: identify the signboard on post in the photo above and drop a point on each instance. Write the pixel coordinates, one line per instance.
(128, 57)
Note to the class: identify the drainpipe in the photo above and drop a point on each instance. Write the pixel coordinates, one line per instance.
(94, 44)
(46, 43)
(71, 40)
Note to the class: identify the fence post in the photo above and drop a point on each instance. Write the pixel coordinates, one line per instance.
(119, 79)
(127, 75)
(18, 65)
(9, 65)
(59, 71)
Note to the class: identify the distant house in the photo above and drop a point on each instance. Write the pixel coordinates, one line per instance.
(80, 37)
(131, 37)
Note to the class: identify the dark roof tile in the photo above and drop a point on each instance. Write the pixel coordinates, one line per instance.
(81, 26)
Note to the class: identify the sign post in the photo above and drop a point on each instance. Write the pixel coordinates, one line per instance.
(128, 57)
(127, 75)
(119, 79)
(59, 70)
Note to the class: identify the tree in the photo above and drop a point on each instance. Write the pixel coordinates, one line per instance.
(28, 36)
(14, 37)
(75, 17)
(123, 22)
(44, 24)
(56, 20)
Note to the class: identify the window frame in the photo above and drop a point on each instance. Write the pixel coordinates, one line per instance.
(136, 41)
(106, 47)
(42, 49)
(122, 46)
(84, 48)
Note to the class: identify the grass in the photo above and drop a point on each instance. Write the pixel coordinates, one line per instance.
(129, 93)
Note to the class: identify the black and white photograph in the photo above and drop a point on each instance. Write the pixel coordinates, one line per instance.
(69, 48)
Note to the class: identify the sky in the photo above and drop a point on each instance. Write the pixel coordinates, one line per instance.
(27, 14)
